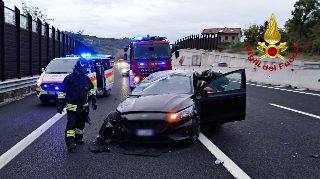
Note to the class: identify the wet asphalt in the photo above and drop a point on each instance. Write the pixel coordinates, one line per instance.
(271, 142)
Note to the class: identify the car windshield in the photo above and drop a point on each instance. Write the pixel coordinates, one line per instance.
(148, 51)
(61, 65)
(175, 84)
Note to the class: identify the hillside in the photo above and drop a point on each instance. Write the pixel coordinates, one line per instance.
(110, 46)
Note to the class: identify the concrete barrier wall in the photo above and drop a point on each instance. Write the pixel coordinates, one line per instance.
(294, 75)
(233, 60)
(300, 78)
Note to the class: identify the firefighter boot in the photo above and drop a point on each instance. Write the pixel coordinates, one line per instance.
(71, 147)
(79, 139)
(79, 136)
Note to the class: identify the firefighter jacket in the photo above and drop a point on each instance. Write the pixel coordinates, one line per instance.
(75, 89)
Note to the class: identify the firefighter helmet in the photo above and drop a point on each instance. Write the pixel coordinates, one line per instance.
(206, 74)
(82, 63)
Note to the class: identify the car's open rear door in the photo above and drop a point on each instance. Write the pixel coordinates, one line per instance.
(226, 101)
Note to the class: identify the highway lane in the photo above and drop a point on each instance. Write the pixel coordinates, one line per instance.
(47, 156)
(263, 146)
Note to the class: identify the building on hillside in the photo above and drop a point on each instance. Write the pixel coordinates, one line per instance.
(225, 34)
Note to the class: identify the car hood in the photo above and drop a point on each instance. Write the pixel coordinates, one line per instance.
(155, 103)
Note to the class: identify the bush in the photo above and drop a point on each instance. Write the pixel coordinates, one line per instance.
(234, 45)
(283, 53)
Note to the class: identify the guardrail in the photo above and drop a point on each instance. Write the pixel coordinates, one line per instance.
(312, 63)
(11, 85)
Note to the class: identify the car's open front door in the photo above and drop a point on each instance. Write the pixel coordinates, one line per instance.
(224, 99)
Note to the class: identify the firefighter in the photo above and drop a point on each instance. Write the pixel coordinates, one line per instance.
(74, 91)
(207, 76)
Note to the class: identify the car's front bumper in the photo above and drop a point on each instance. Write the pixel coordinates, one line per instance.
(47, 95)
(164, 131)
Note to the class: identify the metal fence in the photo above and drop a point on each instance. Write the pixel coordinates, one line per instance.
(200, 41)
(26, 45)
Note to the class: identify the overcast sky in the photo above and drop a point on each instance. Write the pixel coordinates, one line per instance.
(174, 19)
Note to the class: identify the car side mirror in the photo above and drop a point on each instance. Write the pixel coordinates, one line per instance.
(207, 90)
(125, 49)
(42, 70)
(176, 53)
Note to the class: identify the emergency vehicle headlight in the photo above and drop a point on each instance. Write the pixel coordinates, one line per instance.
(136, 79)
(141, 64)
(38, 82)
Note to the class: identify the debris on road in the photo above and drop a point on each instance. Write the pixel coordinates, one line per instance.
(314, 156)
(218, 161)
(145, 151)
(99, 145)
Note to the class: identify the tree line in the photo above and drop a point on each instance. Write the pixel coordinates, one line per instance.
(302, 29)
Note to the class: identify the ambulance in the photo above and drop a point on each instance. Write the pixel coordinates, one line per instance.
(101, 75)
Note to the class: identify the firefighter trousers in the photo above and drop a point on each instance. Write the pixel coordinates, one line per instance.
(75, 126)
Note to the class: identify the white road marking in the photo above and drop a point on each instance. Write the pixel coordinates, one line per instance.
(299, 89)
(227, 162)
(24, 143)
(311, 115)
(280, 88)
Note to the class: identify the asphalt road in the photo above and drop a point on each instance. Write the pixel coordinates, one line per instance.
(271, 143)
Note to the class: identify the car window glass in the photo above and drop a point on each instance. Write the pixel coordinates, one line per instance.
(227, 83)
(61, 65)
(92, 66)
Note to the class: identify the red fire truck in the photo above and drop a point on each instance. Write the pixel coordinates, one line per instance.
(148, 55)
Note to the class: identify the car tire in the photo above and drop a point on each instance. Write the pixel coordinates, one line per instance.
(195, 136)
(106, 92)
(45, 101)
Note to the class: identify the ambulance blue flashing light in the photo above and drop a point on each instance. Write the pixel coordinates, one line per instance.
(86, 55)
(141, 64)
(56, 88)
(163, 63)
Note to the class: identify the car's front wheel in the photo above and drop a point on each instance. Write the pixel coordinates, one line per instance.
(196, 134)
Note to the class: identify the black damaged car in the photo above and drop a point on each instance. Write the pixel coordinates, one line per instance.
(168, 106)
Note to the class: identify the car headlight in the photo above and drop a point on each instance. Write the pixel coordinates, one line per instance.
(185, 113)
(124, 70)
(39, 82)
